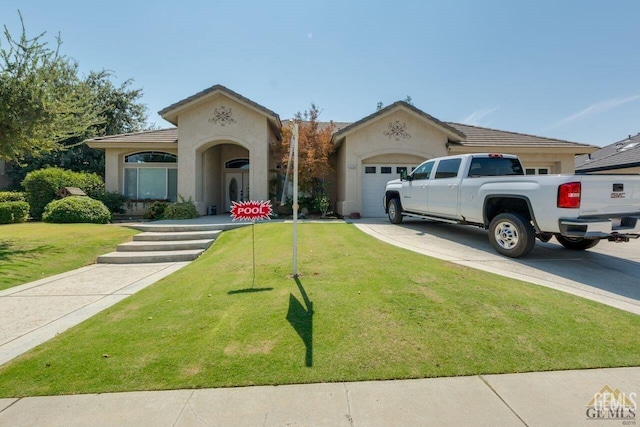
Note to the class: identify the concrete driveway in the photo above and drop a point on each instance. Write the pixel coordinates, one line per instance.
(608, 273)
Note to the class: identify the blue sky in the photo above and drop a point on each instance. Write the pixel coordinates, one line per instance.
(564, 69)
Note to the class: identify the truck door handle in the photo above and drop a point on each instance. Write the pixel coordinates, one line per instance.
(453, 185)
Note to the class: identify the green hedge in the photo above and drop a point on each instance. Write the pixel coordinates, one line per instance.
(12, 196)
(76, 209)
(156, 210)
(113, 200)
(42, 186)
(185, 209)
(13, 212)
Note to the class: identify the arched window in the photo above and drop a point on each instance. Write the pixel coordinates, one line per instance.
(151, 157)
(237, 164)
(151, 175)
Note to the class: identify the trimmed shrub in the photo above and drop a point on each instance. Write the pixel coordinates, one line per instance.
(185, 209)
(156, 210)
(12, 196)
(76, 209)
(13, 212)
(42, 186)
(113, 200)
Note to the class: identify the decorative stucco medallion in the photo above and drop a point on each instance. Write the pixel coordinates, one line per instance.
(222, 116)
(397, 130)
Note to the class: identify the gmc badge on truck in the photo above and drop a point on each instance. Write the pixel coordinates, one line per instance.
(618, 191)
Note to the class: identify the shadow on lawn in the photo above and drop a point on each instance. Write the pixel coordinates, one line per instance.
(301, 318)
(248, 291)
(9, 251)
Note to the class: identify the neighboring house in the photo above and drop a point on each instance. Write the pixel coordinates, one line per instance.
(222, 150)
(619, 157)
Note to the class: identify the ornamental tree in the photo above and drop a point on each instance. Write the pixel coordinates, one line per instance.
(314, 149)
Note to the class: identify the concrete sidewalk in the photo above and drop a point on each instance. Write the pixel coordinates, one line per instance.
(35, 312)
(531, 399)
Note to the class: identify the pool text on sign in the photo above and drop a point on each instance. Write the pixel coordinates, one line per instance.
(251, 210)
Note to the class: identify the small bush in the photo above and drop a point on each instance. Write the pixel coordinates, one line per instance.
(13, 212)
(76, 209)
(185, 209)
(113, 200)
(156, 210)
(42, 186)
(12, 196)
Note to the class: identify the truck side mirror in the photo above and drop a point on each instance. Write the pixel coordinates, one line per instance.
(403, 175)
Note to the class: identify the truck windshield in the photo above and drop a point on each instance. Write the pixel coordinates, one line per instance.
(494, 166)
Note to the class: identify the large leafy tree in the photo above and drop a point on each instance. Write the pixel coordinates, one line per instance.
(120, 112)
(59, 113)
(43, 102)
(314, 149)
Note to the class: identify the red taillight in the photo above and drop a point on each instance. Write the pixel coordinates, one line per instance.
(569, 195)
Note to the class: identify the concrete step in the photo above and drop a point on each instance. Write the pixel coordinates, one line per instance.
(155, 236)
(169, 228)
(149, 257)
(173, 245)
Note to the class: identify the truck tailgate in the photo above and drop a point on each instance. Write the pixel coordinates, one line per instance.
(614, 195)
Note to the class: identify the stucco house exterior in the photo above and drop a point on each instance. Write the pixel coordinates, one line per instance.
(620, 157)
(222, 150)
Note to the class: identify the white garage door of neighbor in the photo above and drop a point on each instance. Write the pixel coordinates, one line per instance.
(374, 180)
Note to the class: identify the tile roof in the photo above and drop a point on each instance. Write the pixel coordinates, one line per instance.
(485, 137)
(470, 136)
(619, 155)
(162, 135)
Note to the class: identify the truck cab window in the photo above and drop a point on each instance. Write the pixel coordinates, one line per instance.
(448, 168)
(423, 171)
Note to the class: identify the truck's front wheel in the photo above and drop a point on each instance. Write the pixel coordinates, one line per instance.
(512, 235)
(576, 243)
(394, 210)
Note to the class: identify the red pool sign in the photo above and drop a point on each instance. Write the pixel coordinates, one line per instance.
(251, 210)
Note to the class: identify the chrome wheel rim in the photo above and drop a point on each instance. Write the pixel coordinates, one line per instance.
(506, 235)
(392, 210)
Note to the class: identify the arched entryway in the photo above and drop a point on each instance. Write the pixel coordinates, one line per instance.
(236, 178)
(225, 176)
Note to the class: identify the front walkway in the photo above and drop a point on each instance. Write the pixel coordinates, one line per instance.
(36, 312)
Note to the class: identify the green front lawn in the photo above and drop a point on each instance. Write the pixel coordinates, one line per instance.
(362, 310)
(35, 250)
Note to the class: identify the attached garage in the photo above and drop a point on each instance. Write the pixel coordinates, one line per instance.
(374, 180)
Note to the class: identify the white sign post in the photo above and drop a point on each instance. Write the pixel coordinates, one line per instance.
(294, 142)
(251, 211)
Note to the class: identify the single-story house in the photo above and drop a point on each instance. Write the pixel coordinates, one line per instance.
(222, 150)
(620, 157)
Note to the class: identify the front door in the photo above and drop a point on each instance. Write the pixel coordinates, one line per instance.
(236, 188)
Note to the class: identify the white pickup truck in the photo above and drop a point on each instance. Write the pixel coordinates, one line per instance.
(491, 191)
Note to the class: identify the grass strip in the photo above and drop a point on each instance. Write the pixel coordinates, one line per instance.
(35, 250)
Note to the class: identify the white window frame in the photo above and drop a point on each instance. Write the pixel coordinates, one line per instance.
(151, 165)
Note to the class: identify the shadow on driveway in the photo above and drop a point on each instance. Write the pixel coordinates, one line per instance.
(610, 268)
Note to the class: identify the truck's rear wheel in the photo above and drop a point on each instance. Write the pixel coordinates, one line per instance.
(512, 235)
(576, 243)
(395, 211)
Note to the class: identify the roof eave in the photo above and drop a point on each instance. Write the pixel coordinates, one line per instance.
(609, 167)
